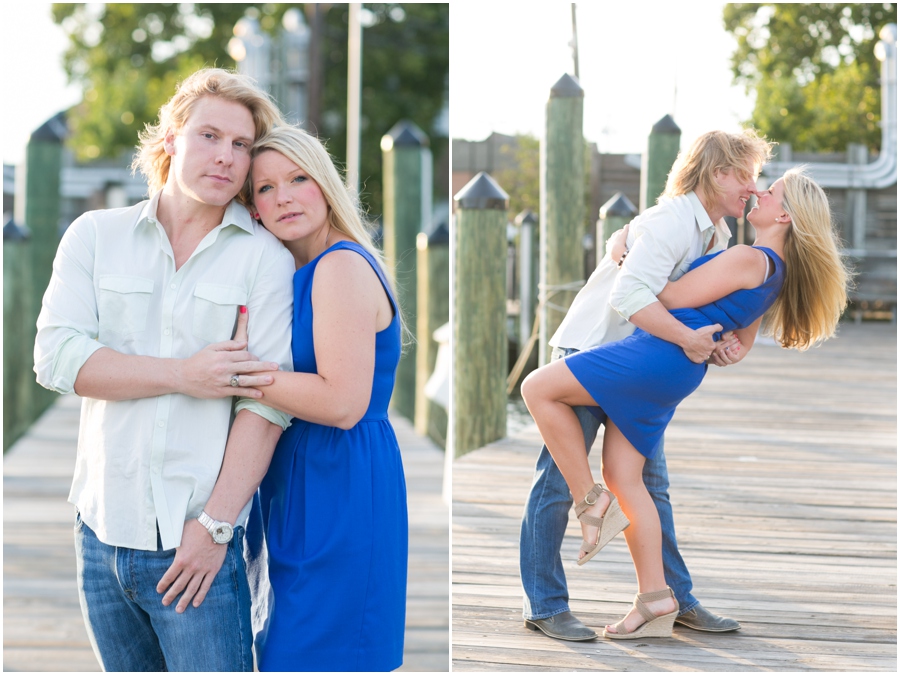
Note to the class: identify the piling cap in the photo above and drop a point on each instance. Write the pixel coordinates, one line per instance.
(665, 126)
(404, 134)
(482, 192)
(527, 217)
(53, 130)
(12, 232)
(566, 87)
(618, 205)
(440, 236)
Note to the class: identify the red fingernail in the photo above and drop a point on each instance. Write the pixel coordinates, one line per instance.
(243, 309)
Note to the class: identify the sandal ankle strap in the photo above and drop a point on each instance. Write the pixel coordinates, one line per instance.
(596, 491)
(653, 596)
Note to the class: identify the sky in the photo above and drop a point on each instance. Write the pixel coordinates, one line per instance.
(34, 83)
(638, 61)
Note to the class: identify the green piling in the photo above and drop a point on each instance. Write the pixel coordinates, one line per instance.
(662, 149)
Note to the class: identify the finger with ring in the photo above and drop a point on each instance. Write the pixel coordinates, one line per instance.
(235, 381)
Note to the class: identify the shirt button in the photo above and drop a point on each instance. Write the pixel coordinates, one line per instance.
(161, 423)
(173, 286)
(166, 331)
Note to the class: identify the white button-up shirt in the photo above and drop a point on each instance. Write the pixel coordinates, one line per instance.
(663, 242)
(154, 461)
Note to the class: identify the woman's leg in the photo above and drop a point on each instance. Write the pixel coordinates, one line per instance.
(623, 472)
(550, 393)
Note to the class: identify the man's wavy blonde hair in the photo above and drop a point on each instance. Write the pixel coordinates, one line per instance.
(695, 168)
(151, 158)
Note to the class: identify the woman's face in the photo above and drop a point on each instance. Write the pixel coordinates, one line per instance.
(768, 205)
(290, 203)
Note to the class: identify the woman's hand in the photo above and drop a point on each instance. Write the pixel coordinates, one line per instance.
(208, 373)
(728, 350)
(616, 244)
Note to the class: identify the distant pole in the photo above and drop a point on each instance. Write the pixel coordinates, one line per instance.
(575, 43)
(480, 348)
(562, 206)
(354, 87)
(433, 309)
(526, 222)
(614, 215)
(407, 205)
(662, 149)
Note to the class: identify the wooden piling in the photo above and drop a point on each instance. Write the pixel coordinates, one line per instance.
(662, 149)
(614, 215)
(407, 205)
(480, 359)
(562, 205)
(433, 272)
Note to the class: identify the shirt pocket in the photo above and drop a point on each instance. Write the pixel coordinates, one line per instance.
(215, 311)
(123, 303)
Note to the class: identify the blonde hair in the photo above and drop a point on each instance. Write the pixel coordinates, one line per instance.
(344, 212)
(151, 158)
(814, 293)
(695, 168)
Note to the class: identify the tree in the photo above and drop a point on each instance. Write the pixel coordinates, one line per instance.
(129, 57)
(813, 70)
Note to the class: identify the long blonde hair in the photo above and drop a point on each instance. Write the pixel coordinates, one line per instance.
(695, 168)
(814, 293)
(151, 158)
(344, 212)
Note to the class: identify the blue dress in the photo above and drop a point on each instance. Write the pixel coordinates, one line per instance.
(638, 381)
(333, 508)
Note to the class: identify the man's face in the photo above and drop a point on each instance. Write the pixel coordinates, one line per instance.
(211, 152)
(736, 186)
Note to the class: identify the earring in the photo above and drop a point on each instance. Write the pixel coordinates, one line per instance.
(255, 216)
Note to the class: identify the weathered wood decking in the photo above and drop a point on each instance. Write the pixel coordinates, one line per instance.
(42, 624)
(783, 480)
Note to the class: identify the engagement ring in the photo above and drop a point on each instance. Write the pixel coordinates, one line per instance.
(235, 381)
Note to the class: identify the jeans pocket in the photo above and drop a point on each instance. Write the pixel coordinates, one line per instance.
(123, 303)
(215, 311)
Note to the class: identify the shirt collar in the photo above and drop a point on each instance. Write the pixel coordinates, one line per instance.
(235, 214)
(704, 222)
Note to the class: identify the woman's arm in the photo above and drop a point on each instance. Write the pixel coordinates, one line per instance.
(349, 307)
(739, 267)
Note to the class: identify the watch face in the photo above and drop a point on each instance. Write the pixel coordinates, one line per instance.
(223, 533)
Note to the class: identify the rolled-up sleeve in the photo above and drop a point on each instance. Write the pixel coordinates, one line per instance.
(659, 244)
(67, 326)
(271, 305)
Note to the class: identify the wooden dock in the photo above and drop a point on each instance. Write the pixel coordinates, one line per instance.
(42, 624)
(783, 482)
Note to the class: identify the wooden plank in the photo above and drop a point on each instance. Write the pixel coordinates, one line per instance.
(783, 483)
(43, 627)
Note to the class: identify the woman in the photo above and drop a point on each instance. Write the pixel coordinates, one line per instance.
(333, 502)
(794, 267)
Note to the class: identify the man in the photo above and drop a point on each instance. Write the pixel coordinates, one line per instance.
(713, 179)
(137, 319)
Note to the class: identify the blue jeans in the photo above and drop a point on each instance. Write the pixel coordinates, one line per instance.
(547, 514)
(129, 628)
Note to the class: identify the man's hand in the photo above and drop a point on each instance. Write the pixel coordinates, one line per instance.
(728, 350)
(197, 561)
(699, 344)
(208, 373)
(615, 245)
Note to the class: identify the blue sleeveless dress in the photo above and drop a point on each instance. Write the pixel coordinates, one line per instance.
(639, 381)
(333, 507)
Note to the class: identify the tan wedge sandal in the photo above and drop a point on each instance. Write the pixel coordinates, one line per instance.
(653, 626)
(610, 523)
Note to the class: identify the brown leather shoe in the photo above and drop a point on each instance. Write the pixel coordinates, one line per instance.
(701, 618)
(562, 626)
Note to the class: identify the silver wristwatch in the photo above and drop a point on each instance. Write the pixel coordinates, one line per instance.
(221, 532)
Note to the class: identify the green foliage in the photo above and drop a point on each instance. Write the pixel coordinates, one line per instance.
(522, 183)
(129, 57)
(813, 69)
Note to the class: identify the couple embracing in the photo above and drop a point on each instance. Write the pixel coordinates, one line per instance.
(234, 339)
(666, 300)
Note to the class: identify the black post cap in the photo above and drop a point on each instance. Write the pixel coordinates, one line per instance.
(527, 217)
(482, 192)
(12, 232)
(440, 236)
(666, 126)
(404, 134)
(566, 87)
(618, 205)
(53, 130)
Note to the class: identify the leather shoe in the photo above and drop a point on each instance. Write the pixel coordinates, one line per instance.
(701, 618)
(562, 626)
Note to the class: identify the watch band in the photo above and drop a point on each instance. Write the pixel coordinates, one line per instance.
(220, 531)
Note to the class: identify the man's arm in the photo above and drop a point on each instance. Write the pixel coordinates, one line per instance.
(197, 561)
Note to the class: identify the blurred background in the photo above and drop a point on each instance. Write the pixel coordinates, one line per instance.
(97, 73)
